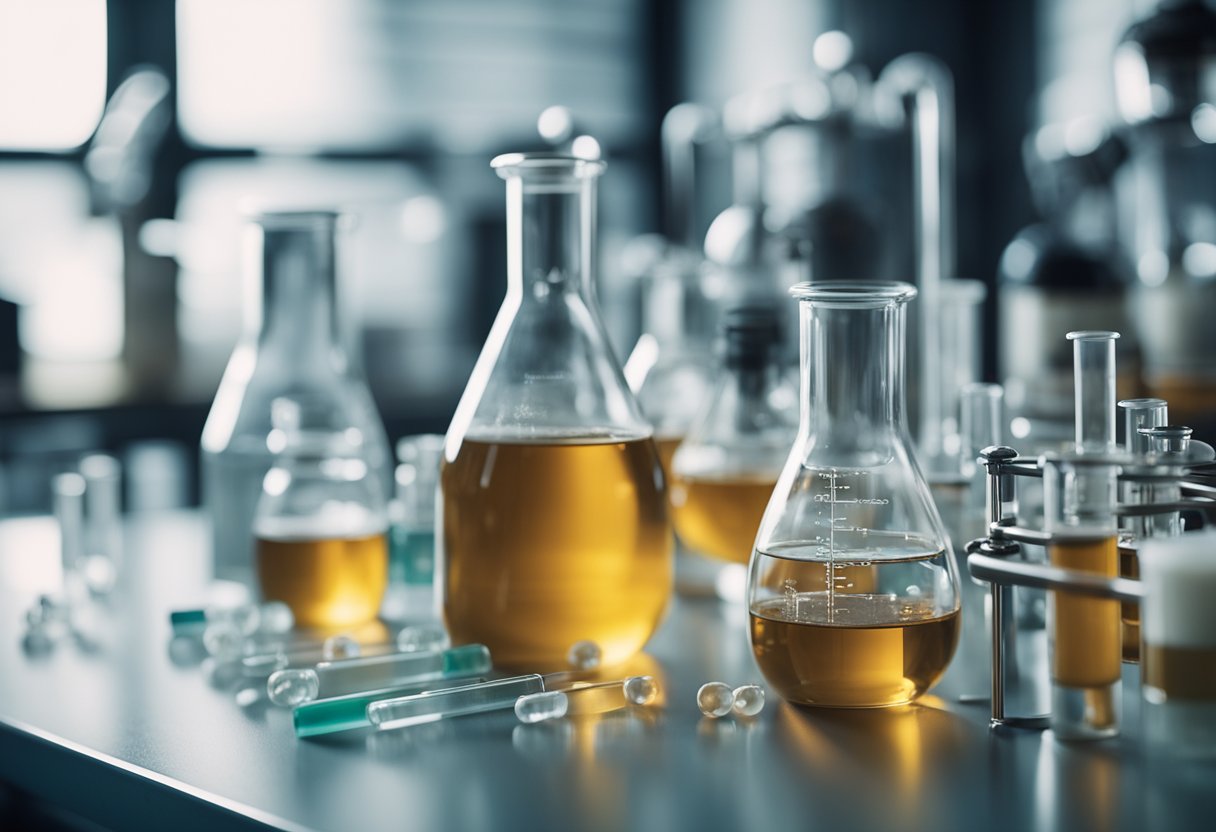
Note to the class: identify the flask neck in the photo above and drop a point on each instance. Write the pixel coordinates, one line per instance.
(550, 237)
(852, 374)
(296, 300)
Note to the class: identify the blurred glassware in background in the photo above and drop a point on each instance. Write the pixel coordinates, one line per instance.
(412, 593)
(292, 346)
(1162, 69)
(102, 522)
(321, 524)
(1060, 275)
(670, 367)
(555, 524)
(724, 472)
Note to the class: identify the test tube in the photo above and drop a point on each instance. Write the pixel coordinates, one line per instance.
(960, 352)
(1137, 413)
(586, 698)
(981, 409)
(1179, 661)
(435, 705)
(1094, 390)
(68, 500)
(102, 520)
(338, 678)
(1079, 503)
(347, 713)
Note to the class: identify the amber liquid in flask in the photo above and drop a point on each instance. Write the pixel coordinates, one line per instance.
(854, 645)
(719, 517)
(553, 542)
(666, 447)
(328, 581)
(1086, 631)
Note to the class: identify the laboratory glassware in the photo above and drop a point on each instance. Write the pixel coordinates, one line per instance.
(1094, 391)
(411, 558)
(1164, 94)
(320, 526)
(670, 368)
(723, 474)
(1137, 414)
(346, 713)
(292, 344)
(853, 590)
(1179, 628)
(961, 351)
(555, 524)
(102, 521)
(1084, 632)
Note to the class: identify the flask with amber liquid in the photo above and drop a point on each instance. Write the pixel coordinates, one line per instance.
(554, 526)
(320, 528)
(724, 472)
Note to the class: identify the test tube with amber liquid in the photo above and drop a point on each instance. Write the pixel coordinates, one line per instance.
(1086, 643)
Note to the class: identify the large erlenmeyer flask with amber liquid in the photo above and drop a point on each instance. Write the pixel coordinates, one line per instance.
(852, 589)
(554, 526)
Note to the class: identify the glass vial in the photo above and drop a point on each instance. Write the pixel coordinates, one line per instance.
(411, 562)
(292, 345)
(853, 591)
(321, 523)
(555, 525)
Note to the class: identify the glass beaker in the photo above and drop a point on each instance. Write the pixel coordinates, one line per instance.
(555, 526)
(853, 591)
(292, 346)
(1086, 643)
(723, 474)
(321, 522)
(411, 554)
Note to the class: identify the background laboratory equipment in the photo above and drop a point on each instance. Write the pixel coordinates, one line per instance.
(321, 524)
(1063, 273)
(1086, 652)
(102, 554)
(670, 368)
(723, 473)
(1179, 662)
(1164, 95)
(555, 525)
(852, 589)
(411, 541)
(292, 345)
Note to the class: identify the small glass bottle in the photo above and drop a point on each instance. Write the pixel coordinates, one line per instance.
(723, 474)
(853, 591)
(292, 345)
(1084, 632)
(411, 560)
(321, 524)
(555, 525)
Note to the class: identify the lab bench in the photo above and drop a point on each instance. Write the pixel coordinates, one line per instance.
(119, 730)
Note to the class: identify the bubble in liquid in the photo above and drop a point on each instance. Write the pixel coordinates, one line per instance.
(276, 618)
(422, 638)
(641, 690)
(715, 699)
(339, 647)
(288, 688)
(538, 707)
(584, 655)
(223, 640)
(749, 700)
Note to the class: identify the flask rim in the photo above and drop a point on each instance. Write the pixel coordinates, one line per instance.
(858, 294)
(553, 164)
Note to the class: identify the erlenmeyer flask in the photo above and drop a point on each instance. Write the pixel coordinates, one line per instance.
(723, 474)
(554, 512)
(852, 590)
(321, 522)
(292, 346)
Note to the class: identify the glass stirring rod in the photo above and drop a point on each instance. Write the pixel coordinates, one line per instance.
(594, 698)
(499, 694)
(345, 676)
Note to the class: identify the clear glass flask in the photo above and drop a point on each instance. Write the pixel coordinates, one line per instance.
(853, 591)
(411, 560)
(723, 474)
(555, 524)
(292, 345)
(321, 522)
(1084, 632)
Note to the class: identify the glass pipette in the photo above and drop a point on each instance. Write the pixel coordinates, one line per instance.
(495, 695)
(338, 678)
(594, 698)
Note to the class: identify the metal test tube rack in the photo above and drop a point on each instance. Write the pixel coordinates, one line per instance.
(996, 558)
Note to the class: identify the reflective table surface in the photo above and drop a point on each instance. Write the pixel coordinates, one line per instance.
(125, 731)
